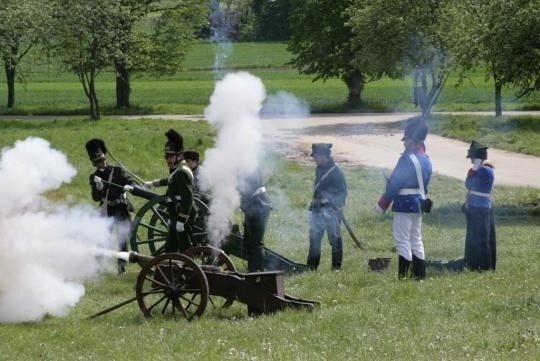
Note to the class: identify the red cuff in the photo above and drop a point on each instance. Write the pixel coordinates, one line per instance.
(384, 203)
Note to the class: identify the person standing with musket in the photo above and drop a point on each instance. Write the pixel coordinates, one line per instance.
(255, 205)
(480, 240)
(113, 199)
(406, 189)
(179, 194)
(329, 195)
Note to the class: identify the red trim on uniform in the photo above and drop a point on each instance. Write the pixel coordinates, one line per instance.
(471, 173)
(384, 203)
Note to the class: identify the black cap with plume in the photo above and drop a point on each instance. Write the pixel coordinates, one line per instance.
(321, 148)
(416, 130)
(477, 150)
(175, 142)
(96, 149)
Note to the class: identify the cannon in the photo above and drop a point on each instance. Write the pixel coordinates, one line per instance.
(149, 232)
(182, 285)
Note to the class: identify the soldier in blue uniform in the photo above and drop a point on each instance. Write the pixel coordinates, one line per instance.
(256, 206)
(480, 241)
(113, 200)
(405, 190)
(179, 195)
(329, 195)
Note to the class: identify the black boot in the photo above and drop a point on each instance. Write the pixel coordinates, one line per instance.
(418, 268)
(403, 268)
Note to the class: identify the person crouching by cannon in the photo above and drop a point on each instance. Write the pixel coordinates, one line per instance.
(179, 194)
(113, 200)
(480, 240)
(255, 206)
(329, 195)
(406, 189)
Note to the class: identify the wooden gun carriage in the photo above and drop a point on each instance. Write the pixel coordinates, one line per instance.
(149, 232)
(183, 284)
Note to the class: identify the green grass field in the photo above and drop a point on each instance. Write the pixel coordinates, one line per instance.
(362, 314)
(48, 89)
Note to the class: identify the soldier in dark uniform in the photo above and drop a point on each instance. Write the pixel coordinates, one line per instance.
(191, 157)
(179, 195)
(113, 200)
(256, 206)
(329, 194)
(480, 241)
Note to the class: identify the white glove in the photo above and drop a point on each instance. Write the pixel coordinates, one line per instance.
(149, 184)
(99, 183)
(377, 208)
(179, 226)
(128, 188)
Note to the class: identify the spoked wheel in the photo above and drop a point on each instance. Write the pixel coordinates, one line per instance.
(210, 256)
(150, 226)
(172, 285)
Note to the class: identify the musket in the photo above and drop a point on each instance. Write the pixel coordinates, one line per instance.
(358, 242)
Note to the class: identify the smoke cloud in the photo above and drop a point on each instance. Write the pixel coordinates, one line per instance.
(234, 110)
(46, 250)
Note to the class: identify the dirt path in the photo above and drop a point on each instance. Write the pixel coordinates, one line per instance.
(375, 140)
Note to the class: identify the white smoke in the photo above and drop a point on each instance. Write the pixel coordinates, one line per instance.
(46, 250)
(234, 111)
(284, 104)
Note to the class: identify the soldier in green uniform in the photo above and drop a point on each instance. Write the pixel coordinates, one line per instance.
(113, 199)
(179, 195)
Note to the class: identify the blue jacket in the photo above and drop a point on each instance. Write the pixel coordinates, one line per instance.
(479, 184)
(401, 186)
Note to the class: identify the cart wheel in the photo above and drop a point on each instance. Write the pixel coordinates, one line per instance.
(210, 256)
(174, 285)
(150, 226)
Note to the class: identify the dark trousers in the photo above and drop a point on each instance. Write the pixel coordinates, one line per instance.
(254, 229)
(325, 219)
(480, 241)
(178, 242)
(122, 229)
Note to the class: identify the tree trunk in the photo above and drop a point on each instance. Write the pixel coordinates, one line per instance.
(95, 113)
(355, 86)
(123, 87)
(10, 78)
(498, 99)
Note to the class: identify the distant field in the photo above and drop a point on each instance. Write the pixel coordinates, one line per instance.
(50, 90)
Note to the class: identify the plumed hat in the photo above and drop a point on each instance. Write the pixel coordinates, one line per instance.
(191, 154)
(321, 148)
(477, 150)
(175, 142)
(96, 149)
(416, 130)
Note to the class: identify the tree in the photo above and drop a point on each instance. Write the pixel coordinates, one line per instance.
(156, 38)
(270, 19)
(500, 36)
(22, 24)
(86, 38)
(396, 38)
(321, 43)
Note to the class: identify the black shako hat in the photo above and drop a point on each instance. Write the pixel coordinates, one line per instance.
(175, 142)
(416, 130)
(321, 148)
(477, 150)
(96, 150)
(191, 154)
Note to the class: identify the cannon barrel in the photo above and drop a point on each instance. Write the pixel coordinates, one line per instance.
(134, 257)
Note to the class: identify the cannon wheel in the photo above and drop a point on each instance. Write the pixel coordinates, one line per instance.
(174, 285)
(149, 226)
(210, 256)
